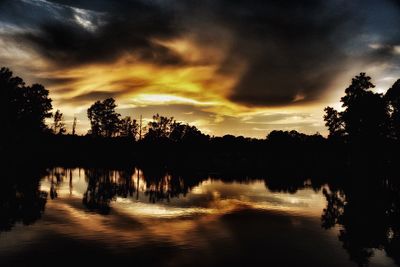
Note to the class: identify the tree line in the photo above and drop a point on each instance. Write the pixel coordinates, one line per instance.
(106, 122)
(25, 109)
(365, 116)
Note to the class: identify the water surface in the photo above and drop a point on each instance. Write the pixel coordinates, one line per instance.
(101, 217)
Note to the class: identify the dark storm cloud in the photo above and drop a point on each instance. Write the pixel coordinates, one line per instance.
(124, 87)
(75, 45)
(293, 50)
(127, 85)
(69, 35)
(91, 96)
(55, 81)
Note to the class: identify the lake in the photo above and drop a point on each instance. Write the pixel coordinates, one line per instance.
(74, 216)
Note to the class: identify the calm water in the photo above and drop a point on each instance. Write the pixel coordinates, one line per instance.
(102, 217)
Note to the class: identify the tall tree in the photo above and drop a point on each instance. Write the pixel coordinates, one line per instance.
(74, 126)
(58, 124)
(365, 115)
(159, 127)
(35, 107)
(104, 120)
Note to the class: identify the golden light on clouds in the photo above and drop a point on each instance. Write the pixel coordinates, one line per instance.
(129, 78)
(139, 85)
(199, 85)
(136, 84)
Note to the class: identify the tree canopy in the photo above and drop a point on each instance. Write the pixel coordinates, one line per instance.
(104, 120)
(128, 128)
(23, 109)
(366, 115)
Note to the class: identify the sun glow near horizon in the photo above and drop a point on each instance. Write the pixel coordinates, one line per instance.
(200, 90)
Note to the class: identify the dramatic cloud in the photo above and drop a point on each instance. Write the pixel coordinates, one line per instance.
(295, 51)
(70, 35)
(232, 59)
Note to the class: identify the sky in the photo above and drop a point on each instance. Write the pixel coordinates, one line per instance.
(227, 66)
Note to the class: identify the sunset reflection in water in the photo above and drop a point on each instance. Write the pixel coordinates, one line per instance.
(174, 220)
(158, 211)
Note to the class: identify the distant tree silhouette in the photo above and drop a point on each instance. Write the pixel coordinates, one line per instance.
(58, 124)
(129, 128)
(293, 137)
(160, 127)
(185, 132)
(74, 126)
(104, 120)
(285, 136)
(23, 109)
(164, 128)
(178, 131)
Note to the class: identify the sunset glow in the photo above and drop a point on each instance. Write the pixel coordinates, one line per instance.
(198, 60)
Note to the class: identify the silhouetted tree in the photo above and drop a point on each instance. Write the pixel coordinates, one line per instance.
(160, 127)
(128, 128)
(35, 108)
(58, 124)
(334, 123)
(74, 126)
(178, 131)
(104, 120)
(286, 137)
(185, 132)
(23, 109)
(365, 115)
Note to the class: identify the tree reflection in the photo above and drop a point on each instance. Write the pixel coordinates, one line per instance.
(365, 206)
(102, 189)
(157, 185)
(56, 178)
(368, 214)
(163, 186)
(20, 198)
(363, 203)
